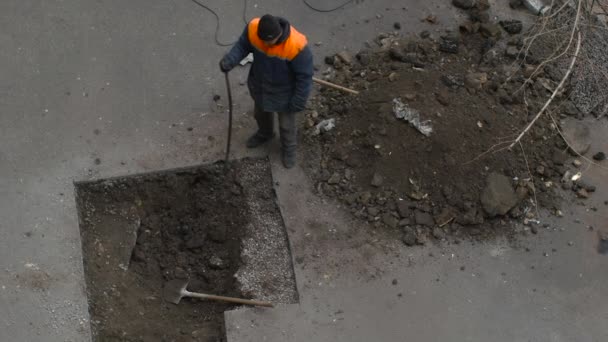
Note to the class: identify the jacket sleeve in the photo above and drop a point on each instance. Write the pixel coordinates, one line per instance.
(239, 50)
(302, 66)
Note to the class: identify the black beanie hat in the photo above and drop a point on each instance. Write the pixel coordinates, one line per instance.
(269, 28)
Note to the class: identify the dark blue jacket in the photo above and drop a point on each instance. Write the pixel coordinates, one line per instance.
(280, 78)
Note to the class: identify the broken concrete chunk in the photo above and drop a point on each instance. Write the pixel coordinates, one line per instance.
(498, 197)
(377, 180)
(512, 26)
(345, 57)
(577, 135)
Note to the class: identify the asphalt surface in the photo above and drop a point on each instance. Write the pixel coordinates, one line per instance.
(92, 89)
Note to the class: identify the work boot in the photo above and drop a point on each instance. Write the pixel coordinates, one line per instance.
(288, 158)
(257, 140)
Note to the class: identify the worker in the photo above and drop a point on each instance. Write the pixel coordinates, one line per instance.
(280, 79)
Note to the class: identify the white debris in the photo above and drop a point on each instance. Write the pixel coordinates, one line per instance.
(402, 111)
(248, 59)
(325, 126)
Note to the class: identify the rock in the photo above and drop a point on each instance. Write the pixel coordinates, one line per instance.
(423, 219)
(582, 193)
(443, 97)
(503, 97)
(577, 163)
(438, 233)
(403, 209)
(452, 81)
(511, 51)
(329, 60)
(217, 263)
(490, 30)
(218, 233)
(365, 197)
(421, 238)
(540, 170)
(345, 57)
(577, 134)
(446, 215)
(431, 19)
(397, 26)
(180, 273)
(599, 156)
(586, 186)
(390, 220)
(559, 157)
(373, 211)
(498, 197)
(397, 54)
(392, 77)
(334, 179)
(409, 237)
(479, 16)
(515, 3)
(377, 180)
(475, 80)
(464, 4)
(512, 26)
(425, 34)
(449, 44)
(363, 58)
(405, 222)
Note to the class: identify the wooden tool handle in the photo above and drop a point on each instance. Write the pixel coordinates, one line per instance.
(228, 299)
(335, 86)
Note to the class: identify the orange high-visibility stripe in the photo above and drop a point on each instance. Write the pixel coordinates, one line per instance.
(288, 49)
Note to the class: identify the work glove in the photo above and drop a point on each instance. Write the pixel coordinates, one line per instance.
(224, 65)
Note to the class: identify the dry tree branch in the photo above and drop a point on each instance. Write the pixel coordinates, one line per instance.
(559, 86)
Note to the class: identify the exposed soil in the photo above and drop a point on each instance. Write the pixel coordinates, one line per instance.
(186, 224)
(444, 185)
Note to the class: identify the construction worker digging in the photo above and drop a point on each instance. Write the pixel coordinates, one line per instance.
(280, 79)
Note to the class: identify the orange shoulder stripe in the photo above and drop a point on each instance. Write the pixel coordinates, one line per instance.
(289, 49)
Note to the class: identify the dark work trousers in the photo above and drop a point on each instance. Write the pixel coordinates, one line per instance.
(287, 128)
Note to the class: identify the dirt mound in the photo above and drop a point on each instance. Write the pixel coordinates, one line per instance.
(374, 153)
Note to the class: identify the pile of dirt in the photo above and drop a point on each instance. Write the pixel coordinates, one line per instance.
(203, 224)
(374, 152)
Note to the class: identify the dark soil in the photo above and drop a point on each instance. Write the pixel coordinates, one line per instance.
(190, 224)
(392, 176)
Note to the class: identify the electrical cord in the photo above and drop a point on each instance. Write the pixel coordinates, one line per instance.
(217, 17)
(327, 10)
(217, 21)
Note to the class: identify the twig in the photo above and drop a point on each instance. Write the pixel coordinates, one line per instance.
(532, 178)
(557, 89)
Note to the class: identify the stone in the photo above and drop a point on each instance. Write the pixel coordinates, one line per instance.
(449, 45)
(512, 26)
(329, 60)
(397, 54)
(438, 233)
(423, 219)
(479, 16)
(582, 193)
(390, 220)
(373, 211)
(377, 180)
(217, 263)
(403, 209)
(442, 97)
(365, 197)
(218, 233)
(511, 51)
(138, 255)
(334, 179)
(577, 135)
(363, 58)
(452, 81)
(409, 237)
(464, 4)
(482, 5)
(397, 26)
(490, 30)
(392, 77)
(345, 57)
(445, 216)
(475, 80)
(515, 3)
(599, 156)
(404, 222)
(498, 196)
(425, 34)
(540, 170)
